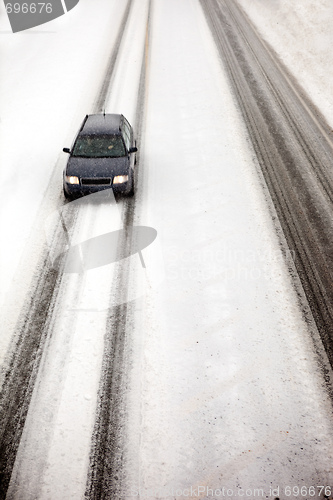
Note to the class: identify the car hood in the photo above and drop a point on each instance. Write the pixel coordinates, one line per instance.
(97, 167)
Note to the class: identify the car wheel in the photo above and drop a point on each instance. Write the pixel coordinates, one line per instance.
(67, 196)
(132, 190)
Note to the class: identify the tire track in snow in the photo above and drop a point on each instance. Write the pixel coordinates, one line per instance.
(106, 475)
(20, 377)
(294, 150)
(21, 369)
(102, 96)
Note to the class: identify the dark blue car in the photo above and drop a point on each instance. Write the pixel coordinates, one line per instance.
(102, 157)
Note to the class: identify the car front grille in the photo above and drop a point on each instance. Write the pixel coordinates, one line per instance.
(96, 181)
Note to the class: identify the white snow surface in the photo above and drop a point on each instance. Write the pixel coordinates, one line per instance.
(226, 389)
(301, 33)
(53, 456)
(231, 395)
(50, 76)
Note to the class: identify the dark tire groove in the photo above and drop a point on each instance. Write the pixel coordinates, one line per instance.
(102, 95)
(107, 460)
(294, 150)
(20, 376)
(21, 370)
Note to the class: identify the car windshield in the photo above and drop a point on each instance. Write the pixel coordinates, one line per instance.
(99, 146)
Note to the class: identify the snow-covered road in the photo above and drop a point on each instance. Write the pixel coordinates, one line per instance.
(223, 384)
(231, 394)
(70, 369)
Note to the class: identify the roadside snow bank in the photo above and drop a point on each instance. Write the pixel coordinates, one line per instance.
(301, 34)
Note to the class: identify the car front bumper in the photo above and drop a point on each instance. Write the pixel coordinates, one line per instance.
(77, 190)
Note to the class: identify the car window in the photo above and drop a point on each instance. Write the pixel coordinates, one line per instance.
(99, 146)
(126, 139)
(126, 126)
(127, 129)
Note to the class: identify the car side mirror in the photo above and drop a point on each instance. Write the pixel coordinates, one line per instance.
(132, 150)
(66, 150)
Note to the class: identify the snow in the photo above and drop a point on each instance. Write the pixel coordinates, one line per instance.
(226, 389)
(50, 77)
(225, 352)
(301, 34)
(46, 89)
(53, 456)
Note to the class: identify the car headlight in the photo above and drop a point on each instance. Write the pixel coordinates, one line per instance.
(118, 179)
(72, 179)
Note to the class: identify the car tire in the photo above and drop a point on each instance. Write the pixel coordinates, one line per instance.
(67, 196)
(132, 190)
